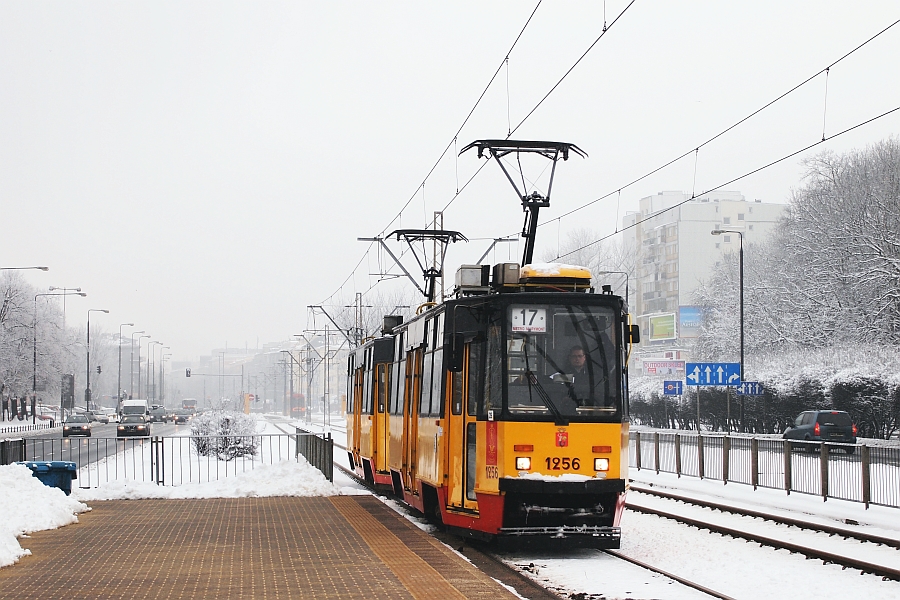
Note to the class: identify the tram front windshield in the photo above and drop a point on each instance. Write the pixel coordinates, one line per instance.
(562, 359)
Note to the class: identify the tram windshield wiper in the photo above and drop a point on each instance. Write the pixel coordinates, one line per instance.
(545, 398)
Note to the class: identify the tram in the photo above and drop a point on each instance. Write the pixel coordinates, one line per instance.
(503, 410)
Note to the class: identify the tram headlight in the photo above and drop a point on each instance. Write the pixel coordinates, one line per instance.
(523, 463)
(601, 464)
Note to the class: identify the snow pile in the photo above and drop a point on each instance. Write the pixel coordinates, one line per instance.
(30, 506)
(286, 478)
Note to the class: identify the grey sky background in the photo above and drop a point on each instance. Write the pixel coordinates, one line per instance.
(203, 169)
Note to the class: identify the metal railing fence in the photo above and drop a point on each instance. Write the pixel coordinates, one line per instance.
(168, 461)
(868, 474)
(318, 450)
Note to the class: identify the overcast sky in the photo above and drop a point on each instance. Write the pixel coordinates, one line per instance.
(204, 169)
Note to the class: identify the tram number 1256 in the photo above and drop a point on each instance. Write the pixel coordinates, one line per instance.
(563, 464)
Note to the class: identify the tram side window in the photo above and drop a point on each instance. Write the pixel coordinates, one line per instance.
(397, 408)
(473, 391)
(456, 384)
(437, 399)
(493, 373)
(427, 374)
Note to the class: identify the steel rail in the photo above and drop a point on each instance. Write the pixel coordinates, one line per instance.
(829, 529)
(865, 567)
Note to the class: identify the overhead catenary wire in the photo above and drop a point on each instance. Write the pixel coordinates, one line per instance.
(740, 177)
(452, 143)
(730, 127)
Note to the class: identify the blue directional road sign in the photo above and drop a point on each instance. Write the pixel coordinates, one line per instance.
(712, 374)
(672, 388)
(750, 388)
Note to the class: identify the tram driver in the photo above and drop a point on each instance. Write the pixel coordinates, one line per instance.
(580, 380)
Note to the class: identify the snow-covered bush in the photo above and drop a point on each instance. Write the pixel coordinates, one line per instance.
(225, 434)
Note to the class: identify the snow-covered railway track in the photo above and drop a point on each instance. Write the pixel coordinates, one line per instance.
(880, 568)
(830, 530)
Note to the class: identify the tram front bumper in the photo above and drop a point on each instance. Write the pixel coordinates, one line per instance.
(566, 512)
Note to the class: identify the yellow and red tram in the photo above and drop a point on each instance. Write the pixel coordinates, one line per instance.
(504, 410)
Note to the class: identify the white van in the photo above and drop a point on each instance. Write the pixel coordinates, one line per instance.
(135, 407)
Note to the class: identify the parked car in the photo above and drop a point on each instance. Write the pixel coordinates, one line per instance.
(97, 417)
(77, 425)
(133, 425)
(823, 426)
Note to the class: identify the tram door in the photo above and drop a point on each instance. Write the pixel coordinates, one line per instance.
(358, 376)
(414, 362)
(381, 420)
(461, 422)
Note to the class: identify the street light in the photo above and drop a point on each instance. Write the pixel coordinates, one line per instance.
(66, 291)
(149, 363)
(23, 268)
(34, 335)
(626, 281)
(131, 362)
(139, 364)
(119, 370)
(162, 376)
(87, 389)
(741, 285)
(153, 375)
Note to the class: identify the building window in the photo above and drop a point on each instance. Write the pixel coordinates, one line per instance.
(717, 247)
(726, 220)
(740, 216)
(727, 239)
(750, 227)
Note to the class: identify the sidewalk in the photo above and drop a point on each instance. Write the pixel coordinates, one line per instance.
(317, 547)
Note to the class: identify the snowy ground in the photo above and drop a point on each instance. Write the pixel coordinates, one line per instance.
(734, 567)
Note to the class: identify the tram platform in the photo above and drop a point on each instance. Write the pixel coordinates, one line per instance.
(322, 547)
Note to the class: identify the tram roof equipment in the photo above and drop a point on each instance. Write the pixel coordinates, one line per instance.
(533, 202)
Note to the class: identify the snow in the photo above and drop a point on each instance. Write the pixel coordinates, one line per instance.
(42, 507)
(735, 567)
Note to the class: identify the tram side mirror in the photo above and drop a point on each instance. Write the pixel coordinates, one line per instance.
(635, 333)
(453, 351)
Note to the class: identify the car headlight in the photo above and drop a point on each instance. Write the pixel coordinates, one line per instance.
(121, 427)
(601, 464)
(523, 463)
(66, 427)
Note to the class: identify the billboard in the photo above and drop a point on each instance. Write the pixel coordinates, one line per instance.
(662, 327)
(689, 320)
(663, 367)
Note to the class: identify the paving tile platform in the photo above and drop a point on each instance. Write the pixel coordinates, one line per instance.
(331, 547)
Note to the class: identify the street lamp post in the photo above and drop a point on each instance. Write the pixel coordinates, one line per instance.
(66, 291)
(87, 388)
(34, 335)
(741, 286)
(151, 384)
(626, 281)
(162, 375)
(119, 370)
(131, 362)
(139, 364)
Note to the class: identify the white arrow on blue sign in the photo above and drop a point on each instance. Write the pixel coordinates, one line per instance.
(750, 388)
(672, 388)
(712, 374)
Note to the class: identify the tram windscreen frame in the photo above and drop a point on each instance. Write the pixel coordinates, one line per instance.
(561, 360)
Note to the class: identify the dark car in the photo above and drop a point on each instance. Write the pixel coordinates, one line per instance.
(181, 416)
(77, 425)
(158, 415)
(823, 426)
(133, 425)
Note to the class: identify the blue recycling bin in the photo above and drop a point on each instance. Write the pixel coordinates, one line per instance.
(54, 473)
